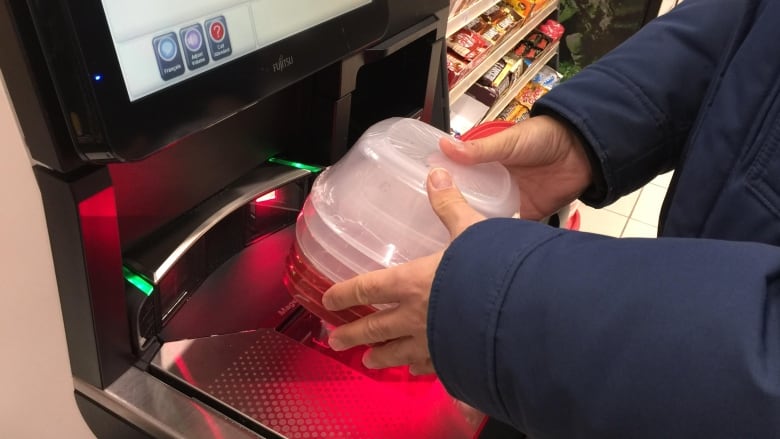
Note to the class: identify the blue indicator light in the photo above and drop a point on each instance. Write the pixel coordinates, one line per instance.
(98, 78)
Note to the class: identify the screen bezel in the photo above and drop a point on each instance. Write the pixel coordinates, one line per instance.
(133, 130)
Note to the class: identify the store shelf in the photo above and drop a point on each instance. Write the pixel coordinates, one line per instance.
(527, 76)
(465, 16)
(507, 43)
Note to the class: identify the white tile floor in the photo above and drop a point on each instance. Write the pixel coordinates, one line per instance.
(634, 215)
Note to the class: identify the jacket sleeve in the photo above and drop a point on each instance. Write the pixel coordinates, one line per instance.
(636, 106)
(566, 334)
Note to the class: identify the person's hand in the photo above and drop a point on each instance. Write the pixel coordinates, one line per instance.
(546, 160)
(399, 333)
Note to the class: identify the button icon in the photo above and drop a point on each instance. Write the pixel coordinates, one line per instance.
(217, 31)
(193, 40)
(219, 38)
(195, 53)
(167, 48)
(169, 59)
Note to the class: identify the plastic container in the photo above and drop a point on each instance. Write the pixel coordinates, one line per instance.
(371, 210)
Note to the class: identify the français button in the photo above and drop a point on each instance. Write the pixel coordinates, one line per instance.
(219, 38)
(195, 52)
(167, 48)
(169, 59)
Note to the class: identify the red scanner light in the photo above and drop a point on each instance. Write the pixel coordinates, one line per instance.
(270, 196)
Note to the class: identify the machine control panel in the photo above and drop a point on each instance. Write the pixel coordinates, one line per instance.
(189, 37)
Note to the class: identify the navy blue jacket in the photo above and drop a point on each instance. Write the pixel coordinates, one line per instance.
(565, 334)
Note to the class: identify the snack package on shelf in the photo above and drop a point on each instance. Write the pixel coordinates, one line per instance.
(515, 67)
(527, 51)
(552, 29)
(514, 112)
(501, 16)
(479, 26)
(467, 44)
(456, 68)
(486, 95)
(530, 93)
(491, 87)
(532, 46)
(520, 107)
(538, 39)
(496, 74)
(488, 31)
(494, 23)
(525, 8)
(547, 77)
(465, 49)
(522, 115)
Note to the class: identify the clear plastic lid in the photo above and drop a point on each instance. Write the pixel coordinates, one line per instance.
(374, 204)
(409, 149)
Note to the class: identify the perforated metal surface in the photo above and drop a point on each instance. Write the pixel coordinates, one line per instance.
(301, 393)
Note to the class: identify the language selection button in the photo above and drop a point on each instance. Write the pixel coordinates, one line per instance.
(219, 39)
(195, 53)
(166, 49)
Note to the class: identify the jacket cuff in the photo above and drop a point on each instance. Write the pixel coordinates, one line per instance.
(627, 154)
(465, 304)
(596, 193)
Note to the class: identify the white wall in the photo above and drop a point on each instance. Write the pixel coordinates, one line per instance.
(36, 388)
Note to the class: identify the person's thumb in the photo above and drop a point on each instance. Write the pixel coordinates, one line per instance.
(499, 147)
(449, 204)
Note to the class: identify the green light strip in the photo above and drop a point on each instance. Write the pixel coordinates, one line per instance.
(296, 165)
(137, 281)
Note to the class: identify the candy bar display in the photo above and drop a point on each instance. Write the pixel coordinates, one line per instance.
(520, 107)
(490, 56)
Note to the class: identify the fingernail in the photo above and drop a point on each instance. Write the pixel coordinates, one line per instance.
(459, 145)
(336, 344)
(440, 179)
(368, 363)
(327, 303)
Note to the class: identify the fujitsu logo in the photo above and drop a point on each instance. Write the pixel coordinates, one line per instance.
(283, 63)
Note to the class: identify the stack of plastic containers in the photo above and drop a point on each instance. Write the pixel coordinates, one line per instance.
(371, 210)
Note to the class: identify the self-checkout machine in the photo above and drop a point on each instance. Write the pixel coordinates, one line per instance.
(172, 146)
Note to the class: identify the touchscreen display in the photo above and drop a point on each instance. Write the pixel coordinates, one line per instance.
(162, 43)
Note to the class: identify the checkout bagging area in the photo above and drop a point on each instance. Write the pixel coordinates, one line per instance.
(174, 145)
